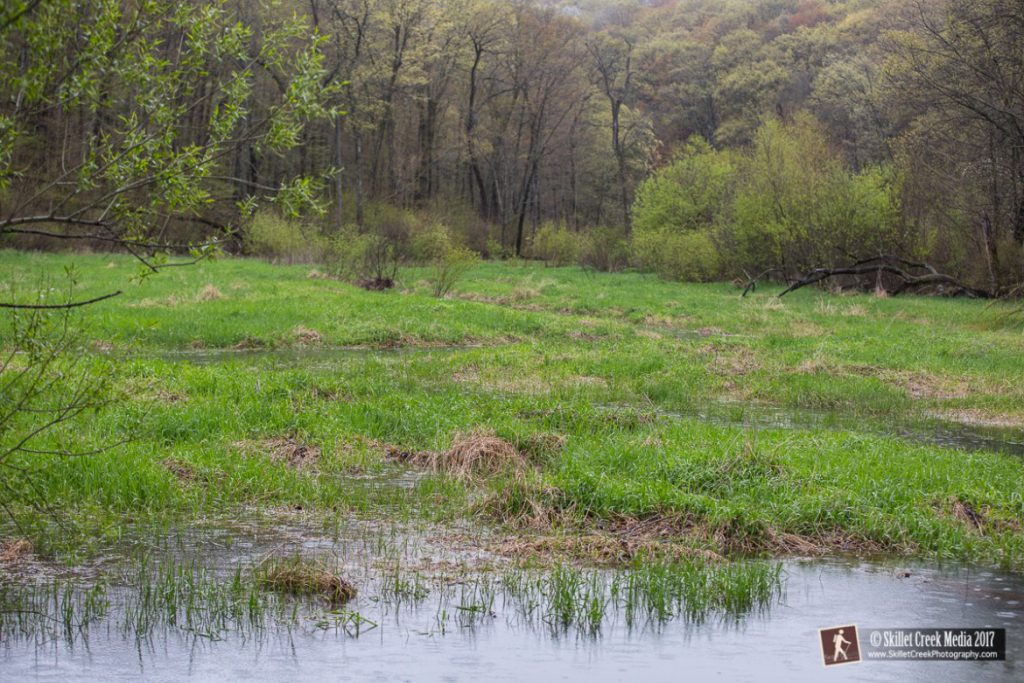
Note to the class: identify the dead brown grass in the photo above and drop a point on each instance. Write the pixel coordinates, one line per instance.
(917, 384)
(922, 385)
(629, 418)
(209, 293)
(966, 513)
(981, 519)
(824, 543)
(539, 446)
(182, 471)
(730, 361)
(803, 328)
(477, 454)
(249, 344)
(15, 550)
(305, 336)
(528, 503)
(299, 576)
(391, 451)
(521, 384)
(287, 450)
(516, 296)
(594, 549)
(618, 541)
(980, 418)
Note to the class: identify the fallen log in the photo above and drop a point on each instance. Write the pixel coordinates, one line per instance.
(899, 268)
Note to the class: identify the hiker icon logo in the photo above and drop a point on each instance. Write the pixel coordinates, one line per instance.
(839, 645)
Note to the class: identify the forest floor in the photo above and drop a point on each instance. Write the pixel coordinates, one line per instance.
(582, 416)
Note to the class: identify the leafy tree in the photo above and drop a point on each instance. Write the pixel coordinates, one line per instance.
(122, 123)
(959, 73)
(797, 207)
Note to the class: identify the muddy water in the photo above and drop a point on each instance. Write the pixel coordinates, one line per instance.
(414, 643)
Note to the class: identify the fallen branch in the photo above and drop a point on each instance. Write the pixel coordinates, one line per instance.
(899, 268)
(751, 284)
(73, 304)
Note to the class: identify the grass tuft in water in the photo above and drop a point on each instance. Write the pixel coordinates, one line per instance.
(646, 594)
(51, 611)
(302, 576)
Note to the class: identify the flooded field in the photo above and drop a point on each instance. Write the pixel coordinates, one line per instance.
(655, 484)
(444, 603)
(485, 626)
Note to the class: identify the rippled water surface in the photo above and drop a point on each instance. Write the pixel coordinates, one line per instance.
(431, 641)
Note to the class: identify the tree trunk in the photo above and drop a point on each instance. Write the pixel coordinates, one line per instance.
(620, 158)
(339, 181)
(359, 178)
(991, 251)
(523, 204)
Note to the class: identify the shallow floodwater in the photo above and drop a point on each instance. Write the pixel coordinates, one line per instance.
(432, 638)
(408, 643)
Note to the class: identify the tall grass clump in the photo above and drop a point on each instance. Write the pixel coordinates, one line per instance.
(644, 594)
(657, 592)
(59, 610)
(191, 598)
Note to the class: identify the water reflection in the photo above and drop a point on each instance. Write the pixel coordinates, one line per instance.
(411, 643)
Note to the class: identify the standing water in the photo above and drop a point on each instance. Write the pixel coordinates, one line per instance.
(506, 626)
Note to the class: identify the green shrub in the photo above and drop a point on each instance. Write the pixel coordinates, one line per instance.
(281, 240)
(372, 256)
(678, 208)
(604, 249)
(680, 256)
(555, 245)
(447, 260)
(690, 193)
(496, 250)
(370, 260)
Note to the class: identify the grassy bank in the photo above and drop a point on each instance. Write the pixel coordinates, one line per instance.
(249, 384)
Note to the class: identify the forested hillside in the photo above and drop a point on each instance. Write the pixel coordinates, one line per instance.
(703, 139)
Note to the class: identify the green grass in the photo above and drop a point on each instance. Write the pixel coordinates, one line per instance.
(530, 352)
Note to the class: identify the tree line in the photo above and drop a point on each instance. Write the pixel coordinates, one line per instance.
(699, 138)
